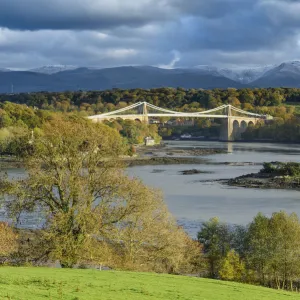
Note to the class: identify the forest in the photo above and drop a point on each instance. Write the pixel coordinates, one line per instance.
(94, 102)
(281, 103)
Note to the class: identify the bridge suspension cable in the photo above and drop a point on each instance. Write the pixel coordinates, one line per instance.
(122, 109)
(211, 110)
(171, 113)
(163, 109)
(245, 112)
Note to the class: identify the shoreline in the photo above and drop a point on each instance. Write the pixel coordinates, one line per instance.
(264, 181)
(263, 141)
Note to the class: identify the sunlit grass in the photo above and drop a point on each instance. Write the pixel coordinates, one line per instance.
(44, 283)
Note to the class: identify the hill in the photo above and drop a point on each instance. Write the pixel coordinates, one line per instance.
(46, 283)
(284, 75)
(59, 78)
(102, 79)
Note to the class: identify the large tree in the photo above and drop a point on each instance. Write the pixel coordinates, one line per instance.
(93, 212)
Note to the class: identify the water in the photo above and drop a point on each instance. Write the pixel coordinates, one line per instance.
(192, 201)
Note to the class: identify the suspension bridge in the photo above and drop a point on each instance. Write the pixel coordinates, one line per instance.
(234, 120)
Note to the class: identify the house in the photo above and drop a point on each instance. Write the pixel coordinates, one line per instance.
(149, 141)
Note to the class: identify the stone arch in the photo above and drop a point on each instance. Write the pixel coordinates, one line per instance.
(236, 125)
(236, 130)
(244, 125)
(251, 123)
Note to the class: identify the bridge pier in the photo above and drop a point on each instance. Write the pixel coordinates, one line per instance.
(143, 111)
(226, 134)
(233, 127)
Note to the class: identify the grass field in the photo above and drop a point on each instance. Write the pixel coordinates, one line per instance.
(297, 106)
(43, 283)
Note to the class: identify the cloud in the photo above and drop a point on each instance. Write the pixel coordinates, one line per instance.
(116, 32)
(80, 15)
(173, 62)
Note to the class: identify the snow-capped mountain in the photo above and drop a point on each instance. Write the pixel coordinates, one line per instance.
(290, 67)
(52, 69)
(246, 75)
(286, 74)
(4, 70)
(51, 78)
(239, 74)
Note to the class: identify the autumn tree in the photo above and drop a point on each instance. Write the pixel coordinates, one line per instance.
(8, 240)
(232, 268)
(93, 211)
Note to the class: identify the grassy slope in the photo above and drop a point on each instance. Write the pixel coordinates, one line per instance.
(42, 283)
(297, 106)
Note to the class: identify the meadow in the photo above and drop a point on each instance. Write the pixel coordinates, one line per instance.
(70, 284)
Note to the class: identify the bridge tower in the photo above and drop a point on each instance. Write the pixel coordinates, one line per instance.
(227, 134)
(143, 110)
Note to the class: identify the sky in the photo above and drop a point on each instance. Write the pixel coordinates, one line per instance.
(165, 33)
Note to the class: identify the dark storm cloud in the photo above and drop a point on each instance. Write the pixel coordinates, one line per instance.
(154, 32)
(78, 14)
(103, 14)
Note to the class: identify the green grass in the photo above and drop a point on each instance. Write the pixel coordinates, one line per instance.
(44, 283)
(296, 104)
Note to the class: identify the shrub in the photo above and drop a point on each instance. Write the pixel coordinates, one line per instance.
(8, 239)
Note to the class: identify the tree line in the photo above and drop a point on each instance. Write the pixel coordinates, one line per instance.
(37, 108)
(265, 252)
(18, 122)
(94, 102)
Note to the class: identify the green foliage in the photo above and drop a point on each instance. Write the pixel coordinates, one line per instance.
(266, 252)
(15, 141)
(12, 114)
(8, 239)
(232, 268)
(186, 100)
(215, 238)
(281, 130)
(135, 132)
(282, 169)
(94, 212)
(268, 168)
(284, 128)
(274, 249)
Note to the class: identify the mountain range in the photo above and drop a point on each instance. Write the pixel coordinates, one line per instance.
(62, 78)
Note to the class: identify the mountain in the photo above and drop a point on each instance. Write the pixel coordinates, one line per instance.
(61, 78)
(24, 81)
(242, 75)
(120, 77)
(285, 75)
(4, 70)
(145, 77)
(52, 69)
(246, 75)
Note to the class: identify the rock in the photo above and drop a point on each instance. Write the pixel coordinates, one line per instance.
(192, 172)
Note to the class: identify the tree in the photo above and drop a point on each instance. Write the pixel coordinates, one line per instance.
(275, 249)
(93, 211)
(8, 239)
(259, 243)
(232, 268)
(215, 238)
